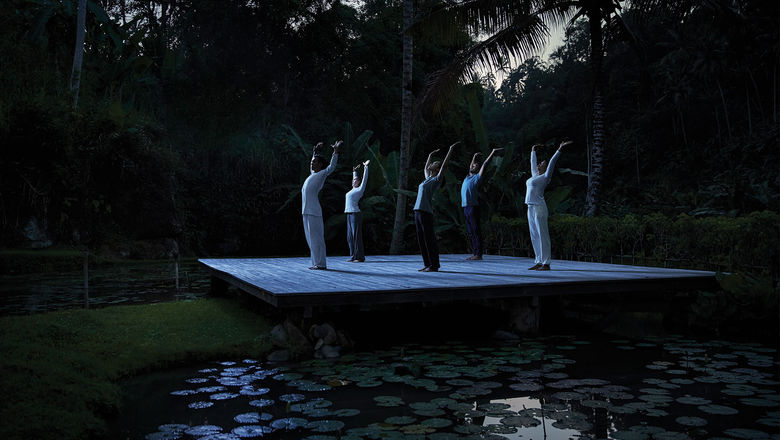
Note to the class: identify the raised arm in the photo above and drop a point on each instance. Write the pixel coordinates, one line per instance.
(534, 166)
(446, 160)
(554, 159)
(362, 188)
(489, 158)
(428, 162)
(334, 158)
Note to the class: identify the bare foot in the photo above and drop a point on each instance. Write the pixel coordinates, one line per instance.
(535, 266)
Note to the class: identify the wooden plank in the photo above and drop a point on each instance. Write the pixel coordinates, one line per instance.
(386, 279)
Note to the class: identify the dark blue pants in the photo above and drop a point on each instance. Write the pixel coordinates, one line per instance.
(426, 238)
(355, 235)
(472, 225)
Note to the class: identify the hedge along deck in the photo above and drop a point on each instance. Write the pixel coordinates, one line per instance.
(394, 279)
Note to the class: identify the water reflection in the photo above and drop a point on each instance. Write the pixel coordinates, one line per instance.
(133, 283)
(548, 387)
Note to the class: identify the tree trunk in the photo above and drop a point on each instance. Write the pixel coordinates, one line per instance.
(78, 54)
(396, 244)
(597, 117)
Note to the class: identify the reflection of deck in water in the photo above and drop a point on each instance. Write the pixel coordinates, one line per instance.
(389, 279)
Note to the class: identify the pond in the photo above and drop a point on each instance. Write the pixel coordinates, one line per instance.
(122, 283)
(553, 387)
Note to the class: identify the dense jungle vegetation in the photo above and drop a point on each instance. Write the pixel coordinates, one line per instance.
(195, 121)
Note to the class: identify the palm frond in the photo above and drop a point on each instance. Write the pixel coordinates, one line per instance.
(523, 38)
(447, 21)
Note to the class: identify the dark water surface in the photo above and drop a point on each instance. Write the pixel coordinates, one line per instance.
(126, 283)
(557, 387)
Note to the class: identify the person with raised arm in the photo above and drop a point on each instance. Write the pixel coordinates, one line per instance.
(469, 197)
(313, 225)
(423, 210)
(537, 207)
(354, 216)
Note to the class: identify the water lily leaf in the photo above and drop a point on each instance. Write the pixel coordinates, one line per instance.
(757, 401)
(692, 400)
(436, 423)
(520, 421)
(346, 412)
(325, 425)
(388, 401)
(292, 397)
(183, 392)
(289, 423)
(249, 431)
(252, 418)
(223, 396)
(262, 403)
(164, 435)
(746, 433)
(202, 430)
(691, 421)
(200, 405)
(220, 436)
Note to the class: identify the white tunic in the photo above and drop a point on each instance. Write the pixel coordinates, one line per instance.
(534, 187)
(312, 186)
(354, 195)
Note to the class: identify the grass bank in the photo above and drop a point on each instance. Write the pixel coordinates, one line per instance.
(59, 371)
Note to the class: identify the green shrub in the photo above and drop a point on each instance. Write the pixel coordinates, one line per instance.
(749, 243)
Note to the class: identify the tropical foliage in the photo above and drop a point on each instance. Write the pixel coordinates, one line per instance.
(194, 119)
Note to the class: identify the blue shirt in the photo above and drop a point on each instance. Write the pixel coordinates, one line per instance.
(468, 191)
(425, 194)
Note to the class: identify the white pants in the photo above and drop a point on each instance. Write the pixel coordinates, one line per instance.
(540, 235)
(315, 238)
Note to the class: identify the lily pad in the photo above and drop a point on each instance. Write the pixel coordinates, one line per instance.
(346, 412)
(521, 421)
(693, 400)
(436, 423)
(290, 398)
(200, 405)
(389, 401)
(325, 425)
(718, 410)
(746, 433)
(289, 423)
(252, 417)
(400, 420)
(262, 403)
(202, 430)
(250, 431)
(223, 396)
(691, 421)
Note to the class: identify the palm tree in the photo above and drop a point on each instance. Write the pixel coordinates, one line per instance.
(396, 243)
(78, 54)
(517, 29)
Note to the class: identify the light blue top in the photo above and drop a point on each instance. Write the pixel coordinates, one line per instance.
(425, 194)
(468, 191)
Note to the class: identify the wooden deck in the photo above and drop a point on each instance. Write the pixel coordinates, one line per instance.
(389, 279)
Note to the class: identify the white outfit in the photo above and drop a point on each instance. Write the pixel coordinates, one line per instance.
(355, 194)
(537, 209)
(313, 225)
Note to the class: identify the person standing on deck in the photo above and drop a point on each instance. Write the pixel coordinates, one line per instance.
(537, 207)
(354, 216)
(313, 225)
(469, 197)
(423, 211)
